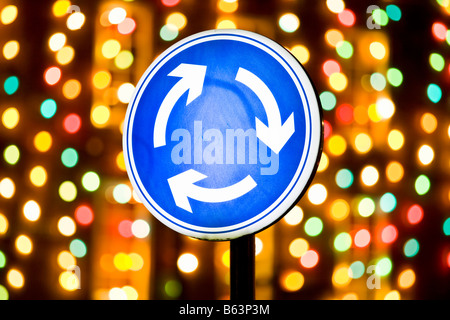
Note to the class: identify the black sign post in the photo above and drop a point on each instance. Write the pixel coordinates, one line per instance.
(242, 268)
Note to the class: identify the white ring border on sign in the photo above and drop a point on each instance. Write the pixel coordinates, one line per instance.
(298, 184)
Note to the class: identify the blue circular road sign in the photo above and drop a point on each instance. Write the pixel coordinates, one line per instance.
(223, 134)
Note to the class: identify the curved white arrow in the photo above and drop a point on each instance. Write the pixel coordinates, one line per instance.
(183, 187)
(274, 135)
(192, 78)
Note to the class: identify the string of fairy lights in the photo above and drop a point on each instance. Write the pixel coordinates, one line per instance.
(357, 229)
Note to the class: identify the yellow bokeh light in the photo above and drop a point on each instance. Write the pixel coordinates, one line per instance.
(101, 79)
(67, 226)
(395, 139)
(425, 154)
(340, 277)
(336, 145)
(392, 295)
(69, 281)
(339, 209)
(7, 188)
(57, 41)
(15, 278)
(4, 224)
(131, 292)
(71, 89)
(374, 116)
(289, 22)
(137, 262)
(324, 162)
(377, 50)
(66, 260)
(11, 49)
(65, 55)
(226, 24)
(100, 116)
(187, 263)
(24, 244)
(117, 15)
(226, 258)
(43, 141)
(122, 261)
(294, 216)
(120, 161)
(38, 176)
(317, 194)
(338, 81)
(293, 281)
(177, 19)
(298, 247)
(31, 210)
(394, 171)
(8, 14)
(10, 118)
(406, 279)
(301, 53)
(428, 122)
(227, 6)
(124, 59)
(75, 21)
(335, 6)
(333, 37)
(369, 176)
(363, 143)
(60, 8)
(385, 108)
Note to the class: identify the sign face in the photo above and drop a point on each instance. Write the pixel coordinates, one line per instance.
(223, 134)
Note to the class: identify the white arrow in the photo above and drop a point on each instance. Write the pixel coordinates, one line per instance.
(274, 135)
(183, 187)
(192, 78)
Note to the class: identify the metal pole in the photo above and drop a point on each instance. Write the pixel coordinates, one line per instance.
(242, 268)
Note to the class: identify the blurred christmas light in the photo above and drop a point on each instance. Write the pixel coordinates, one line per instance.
(11, 85)
(394, 12)
(52, 75)
(117, 15)
(60, 7)
(335, 6)
(11, 154)
(10, 118)
(11, 49)
(168, 32)
(57, 41)
(347, 17)
(48, 108)
(111, 48)
(187, 263)
(8, 14)
(301, 53)
(289, 22)
(75, 21)
(23, 244)
(227, 6)
(67, 191)
(15, 278)
(439, 31)
(309, 259)
(313, 226)
(84, 215)
(127, 26)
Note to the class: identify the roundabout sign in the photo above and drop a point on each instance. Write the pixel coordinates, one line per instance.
(223, 134)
